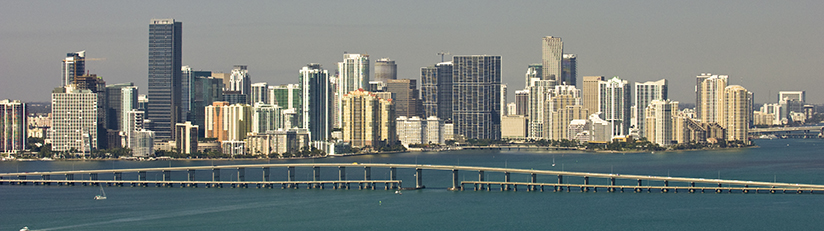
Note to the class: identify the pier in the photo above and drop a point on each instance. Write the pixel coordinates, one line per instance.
(555, 181)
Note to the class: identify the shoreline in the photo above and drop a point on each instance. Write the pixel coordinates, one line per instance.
(162, 158)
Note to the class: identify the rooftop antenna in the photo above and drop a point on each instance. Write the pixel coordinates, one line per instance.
(442, 53)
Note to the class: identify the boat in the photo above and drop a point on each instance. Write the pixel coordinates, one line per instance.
(102, 195)
(25, 229)
(553, 161)
(398, 192)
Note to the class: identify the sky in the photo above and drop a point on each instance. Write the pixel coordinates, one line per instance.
(765, 46)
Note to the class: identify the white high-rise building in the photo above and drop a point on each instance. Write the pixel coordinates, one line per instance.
(74, 121)
(434, 131)
(539, 94)
(410, 130)
(711, 107)
(240, 81)
(658, 119)
(737, 112)
(644, 93)
(614, 104)
(353, 74)
(133, 122)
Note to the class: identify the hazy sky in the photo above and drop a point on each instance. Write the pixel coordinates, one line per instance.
(765, 46)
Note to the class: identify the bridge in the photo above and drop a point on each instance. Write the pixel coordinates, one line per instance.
(136, 177)
(804, 132)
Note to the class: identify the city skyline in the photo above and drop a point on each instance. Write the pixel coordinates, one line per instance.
(674, 41)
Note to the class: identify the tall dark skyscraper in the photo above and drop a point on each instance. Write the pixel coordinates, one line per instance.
(164, 76)
(436, 90)
(476, 96)
(405, 94)
(569, 69)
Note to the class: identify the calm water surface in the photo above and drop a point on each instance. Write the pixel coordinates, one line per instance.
(434, 208)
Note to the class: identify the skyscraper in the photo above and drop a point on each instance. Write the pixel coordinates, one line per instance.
(205, 91)
(353, 74)
(569, 69)
(436, 90)
(74, 120)
(737, 112)
(165, 56)
(13, 126)
(533, 72)
(645, 93)
(589, 93)
(73, 65)
(240, 82)
(476, 85)
(367, 119)
(128, 102)
(521, 102)
(539, 93)
(698, 92)
(711, 109)
(553, 49)
(259, 93)
(316, 97)
(658, 121)
(188, 92)
(615, 104)
(385, 69)
(405, 94)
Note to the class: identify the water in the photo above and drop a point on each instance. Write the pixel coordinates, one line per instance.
(434, 208)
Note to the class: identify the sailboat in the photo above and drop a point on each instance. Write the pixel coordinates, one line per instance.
(102, 195)
(553, 161)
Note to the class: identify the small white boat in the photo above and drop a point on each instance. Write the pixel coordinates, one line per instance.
(102, 195)
(398, 192)
(25, 229)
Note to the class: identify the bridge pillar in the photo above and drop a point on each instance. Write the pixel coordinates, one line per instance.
(118, 176)
(533, 179)
(265, 174)
(22, 177)
(141, 175)
(341, 175)
(167, 175)
(190, 175)
(316, 176)
(505, 187)
(666, 184)
(241, 174)
(393, 175)
(367, 175)
(481, 179)
(418, 178)
(560, 181)
(454, 179)
(586, 182)
(46, 177)
(215, 174)
(611, 184)
(639, 182)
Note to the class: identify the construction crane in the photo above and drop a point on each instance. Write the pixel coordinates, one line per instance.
(442, 53)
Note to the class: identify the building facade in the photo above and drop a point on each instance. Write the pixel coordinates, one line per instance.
(614, 104)
(436, 90)
(316, 97)
(385, 69)
(353, 74)
(165, 55)
(13, 126)
(553, 50)
(367, 120)
(644, 93)
(476, 81)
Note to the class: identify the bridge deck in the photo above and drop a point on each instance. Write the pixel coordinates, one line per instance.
(435, 167)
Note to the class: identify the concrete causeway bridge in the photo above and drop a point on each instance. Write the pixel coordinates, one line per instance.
(186, 177)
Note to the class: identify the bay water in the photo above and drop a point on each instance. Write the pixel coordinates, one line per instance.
(435, 208)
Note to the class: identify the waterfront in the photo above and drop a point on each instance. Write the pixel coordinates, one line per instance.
(71, 208)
